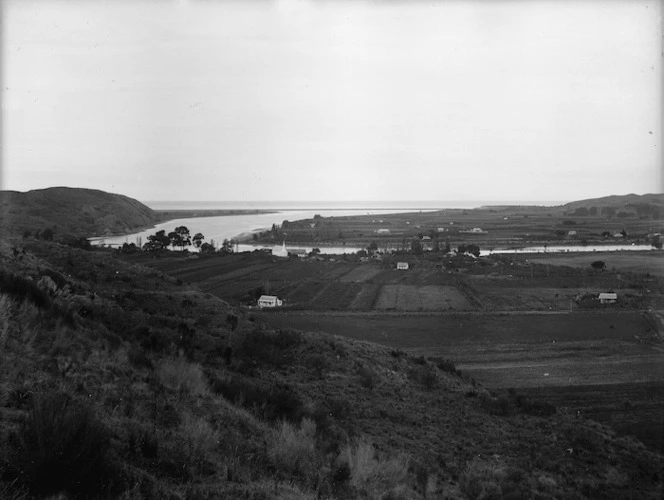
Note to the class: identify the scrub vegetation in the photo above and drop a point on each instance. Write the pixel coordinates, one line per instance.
(121, 381)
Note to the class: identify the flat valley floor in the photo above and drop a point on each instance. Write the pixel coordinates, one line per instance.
(508, 323)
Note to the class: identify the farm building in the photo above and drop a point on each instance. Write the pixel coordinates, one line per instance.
(402, 266)
(269, 301)
(571, 233)
(608, 298)
(382, 231)
(442, 229)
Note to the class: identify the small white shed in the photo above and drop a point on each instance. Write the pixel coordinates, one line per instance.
(608, 298)
(269, 301)
(402, 266)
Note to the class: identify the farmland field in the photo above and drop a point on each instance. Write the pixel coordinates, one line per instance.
(505, 323)
(636, 262)
(601, 364)
(421, 298)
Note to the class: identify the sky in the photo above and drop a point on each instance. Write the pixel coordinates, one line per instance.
(333, 100)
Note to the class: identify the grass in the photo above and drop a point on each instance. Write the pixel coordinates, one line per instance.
(200, 438)
(292, 449)
(371, 474)
(62, 446)
(180, 376)
(287, 414)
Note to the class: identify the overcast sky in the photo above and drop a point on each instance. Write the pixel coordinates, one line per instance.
(334, 100)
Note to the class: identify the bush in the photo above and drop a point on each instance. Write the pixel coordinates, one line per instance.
(269, 348)
(275, 402)
(62, 446)
(143, 442)
(424, 375)
(199, 437)
(293, 451)
(370, 473)
(368, 377)
(20, 289)
(181, 376)
(5, 316)
(484, 480)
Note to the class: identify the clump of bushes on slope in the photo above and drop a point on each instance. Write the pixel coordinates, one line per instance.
(273, 402)
(62, 446)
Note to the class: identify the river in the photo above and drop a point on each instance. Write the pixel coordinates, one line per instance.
(231, 226)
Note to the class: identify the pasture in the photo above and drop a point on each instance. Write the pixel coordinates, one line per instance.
(504, 321)
(632, 262)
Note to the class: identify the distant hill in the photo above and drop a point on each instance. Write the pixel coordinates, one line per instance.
(644, 205)
(72, 212)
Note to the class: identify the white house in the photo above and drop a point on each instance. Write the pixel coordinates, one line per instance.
(280, 251)
(402, 266)
(571, 233)
(608, 298)
(382, 231)
(269, 301)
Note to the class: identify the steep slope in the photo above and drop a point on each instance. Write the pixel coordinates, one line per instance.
(182, 396)
(72, 211)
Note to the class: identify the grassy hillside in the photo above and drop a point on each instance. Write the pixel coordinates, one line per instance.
(72, 211)
(119, 381)
(629, 202)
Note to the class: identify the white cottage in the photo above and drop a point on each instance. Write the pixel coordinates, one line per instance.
(269, 301)
(402, 266)
(608, 298)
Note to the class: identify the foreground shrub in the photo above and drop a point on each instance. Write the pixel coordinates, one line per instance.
(273, 402)
(199, 436)
(182, 376)
(5, 316)
(268, 348)
(20, 289)
(62, 446)
(370, 474)
(293, 451)
(483, 480)
(424, 375)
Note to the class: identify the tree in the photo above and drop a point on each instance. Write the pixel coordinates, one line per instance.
(416, 246)
(373, 246)
(198, 240)
(174, 239)
(657, 242)
(473, 249)
(157, 242)
(598, 265)
(227, 246)
(47, 234)
(608, 211)
(207, 248)
(183, 239)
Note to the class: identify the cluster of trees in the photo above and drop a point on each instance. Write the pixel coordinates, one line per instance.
(181, 237)
(44, 234)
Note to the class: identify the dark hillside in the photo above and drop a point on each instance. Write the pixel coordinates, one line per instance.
(72, 211)
(118, 381)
